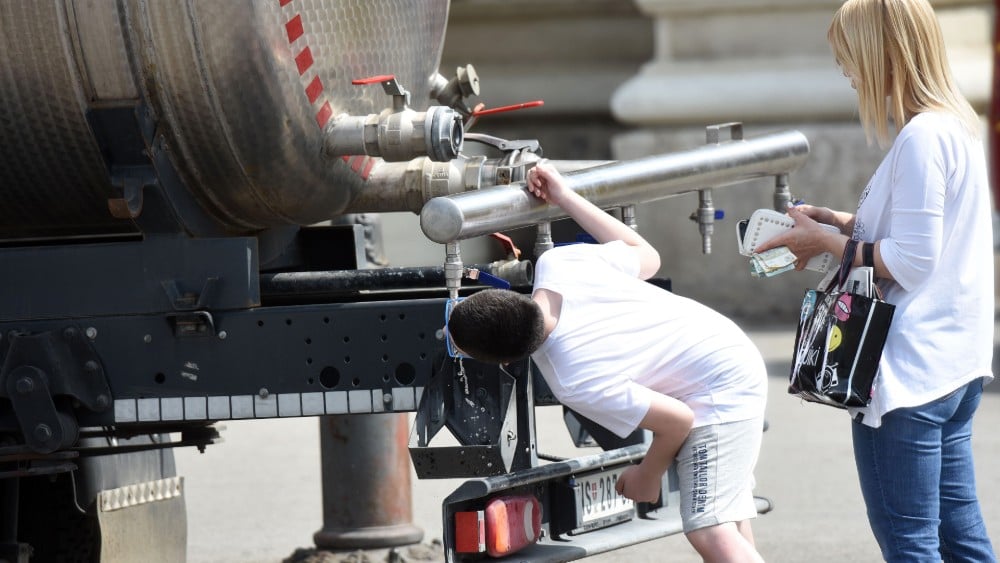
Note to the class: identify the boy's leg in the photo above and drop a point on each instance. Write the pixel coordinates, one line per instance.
(723, 543)
(715, 471)
(744, 527)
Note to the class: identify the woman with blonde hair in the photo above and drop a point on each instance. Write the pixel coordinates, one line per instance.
(924, 224)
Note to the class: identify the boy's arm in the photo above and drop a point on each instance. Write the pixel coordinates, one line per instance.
(546, 183)
(670, 421)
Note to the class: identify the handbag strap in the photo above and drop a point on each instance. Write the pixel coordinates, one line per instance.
(847, 262)
(868, 254)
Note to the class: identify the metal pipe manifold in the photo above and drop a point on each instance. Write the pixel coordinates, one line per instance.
(450, 218)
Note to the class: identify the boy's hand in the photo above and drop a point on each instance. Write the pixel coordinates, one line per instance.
(638, 484)
(547, 184)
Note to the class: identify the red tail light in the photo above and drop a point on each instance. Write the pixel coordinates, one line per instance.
(507, 525)
(512, 523)
(470, 532)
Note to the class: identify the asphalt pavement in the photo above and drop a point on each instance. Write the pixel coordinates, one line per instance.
(256, 497)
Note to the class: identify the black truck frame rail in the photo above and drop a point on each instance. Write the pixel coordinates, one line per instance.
(115, 347)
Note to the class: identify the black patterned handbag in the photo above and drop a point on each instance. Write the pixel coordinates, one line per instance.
(840, 337)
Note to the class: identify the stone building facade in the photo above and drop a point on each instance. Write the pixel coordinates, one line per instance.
(625, 79)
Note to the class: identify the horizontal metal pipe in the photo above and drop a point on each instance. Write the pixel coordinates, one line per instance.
(407, 186)
(470, 214)
(303, 284)
(402, 186)
(336, 282)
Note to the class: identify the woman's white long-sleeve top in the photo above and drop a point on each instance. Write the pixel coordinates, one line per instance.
(929, 205)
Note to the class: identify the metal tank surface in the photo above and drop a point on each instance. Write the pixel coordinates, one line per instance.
(229, 100)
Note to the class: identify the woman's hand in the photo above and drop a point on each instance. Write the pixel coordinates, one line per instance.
(819, 214)
(807, 239)
(840, 219)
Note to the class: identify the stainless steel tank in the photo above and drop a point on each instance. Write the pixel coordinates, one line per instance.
(228, 98)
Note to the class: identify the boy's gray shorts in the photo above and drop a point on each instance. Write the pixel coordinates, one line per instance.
(715, 473)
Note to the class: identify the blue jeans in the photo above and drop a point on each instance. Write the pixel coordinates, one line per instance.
(918, 481)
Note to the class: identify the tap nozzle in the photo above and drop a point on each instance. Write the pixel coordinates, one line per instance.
(543, 238)
(453, 269)
(782, 193)
(628, 217)
(705, 217)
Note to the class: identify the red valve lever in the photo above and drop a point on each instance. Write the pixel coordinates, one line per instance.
(508, 244)
(373, 79)
(513, 107)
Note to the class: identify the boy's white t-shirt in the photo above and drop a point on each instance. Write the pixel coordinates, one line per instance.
(929, 205)
(619, 339)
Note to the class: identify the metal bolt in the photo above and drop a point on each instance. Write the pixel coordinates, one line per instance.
(69, 332)
(147, 339)
(25, 385)
(43, 433)
(102, 401)
(222, 335)
(264, 393)
(90, 366)
(386, 398)
(91, 332)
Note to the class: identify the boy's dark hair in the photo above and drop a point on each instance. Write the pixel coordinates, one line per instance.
(497, 326)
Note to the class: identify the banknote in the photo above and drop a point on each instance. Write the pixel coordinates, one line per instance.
(772, 262)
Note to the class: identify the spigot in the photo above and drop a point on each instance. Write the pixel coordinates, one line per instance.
(398, 134)
(543, 238)
(453, 269)
(782, 193)
(705, 216)
(628, 217)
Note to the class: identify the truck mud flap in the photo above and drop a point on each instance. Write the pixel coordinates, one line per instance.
(143, 522)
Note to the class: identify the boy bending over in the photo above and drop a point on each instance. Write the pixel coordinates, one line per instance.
(627, 354)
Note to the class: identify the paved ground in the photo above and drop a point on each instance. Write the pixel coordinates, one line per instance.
(256, 497)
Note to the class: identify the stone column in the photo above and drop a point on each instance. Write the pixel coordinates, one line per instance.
(765, 63)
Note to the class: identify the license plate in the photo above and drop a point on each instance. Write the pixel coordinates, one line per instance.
(597, 503)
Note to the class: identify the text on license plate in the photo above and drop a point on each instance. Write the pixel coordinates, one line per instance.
(598, 504)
